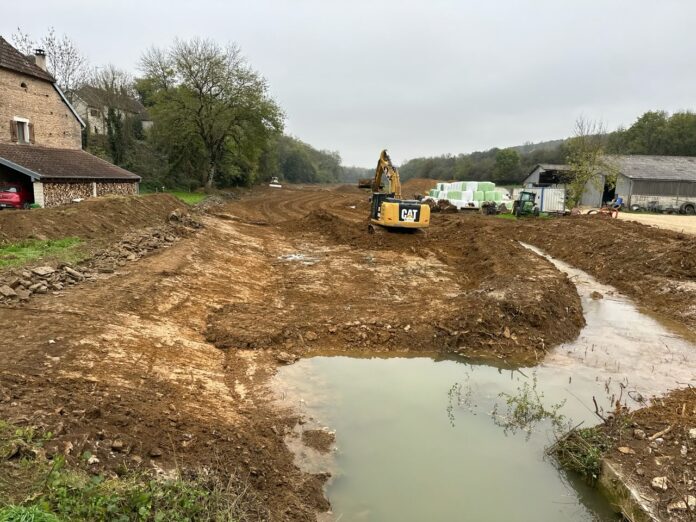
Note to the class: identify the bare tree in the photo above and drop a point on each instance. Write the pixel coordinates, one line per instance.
(113, 84)
(586, 157)
(64, 60)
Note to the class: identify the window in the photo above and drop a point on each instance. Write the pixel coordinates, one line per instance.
(22, 130)
(94, 112)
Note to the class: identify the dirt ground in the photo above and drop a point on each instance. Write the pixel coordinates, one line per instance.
(685, 224)
(171, 354)
(658, 443)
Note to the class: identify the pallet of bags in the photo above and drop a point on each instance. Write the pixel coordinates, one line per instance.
(493, 195)
(486, 186)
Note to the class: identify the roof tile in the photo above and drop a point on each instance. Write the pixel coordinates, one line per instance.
(12, 59)
(63, 163)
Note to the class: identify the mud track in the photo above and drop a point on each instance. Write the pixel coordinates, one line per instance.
(171, 355)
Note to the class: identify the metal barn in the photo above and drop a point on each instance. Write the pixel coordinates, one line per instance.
(657, 182)
(548, 176)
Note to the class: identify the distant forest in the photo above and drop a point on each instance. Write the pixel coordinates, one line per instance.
(655, 132)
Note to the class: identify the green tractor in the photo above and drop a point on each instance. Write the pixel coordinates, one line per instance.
(525, 205)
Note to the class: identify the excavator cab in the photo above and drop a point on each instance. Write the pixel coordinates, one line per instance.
(388, 209)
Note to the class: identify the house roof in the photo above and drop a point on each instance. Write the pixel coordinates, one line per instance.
(98, 98)
(546, 167)
(663, 168)
(60, 164)
(551, 166)
(12, 59)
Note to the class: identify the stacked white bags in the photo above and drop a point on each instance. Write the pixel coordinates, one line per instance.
(468, 194)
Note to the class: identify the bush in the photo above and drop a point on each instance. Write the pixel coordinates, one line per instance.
(581, 451)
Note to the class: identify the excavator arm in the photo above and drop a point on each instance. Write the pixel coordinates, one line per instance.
(385, 168)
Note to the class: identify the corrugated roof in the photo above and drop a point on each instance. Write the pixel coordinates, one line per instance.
(43, 162)
(551, 166)
(664, 168)
(12, 59)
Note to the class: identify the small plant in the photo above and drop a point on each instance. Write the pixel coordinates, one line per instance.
(459, 395)
(526, 409)
(582, 450)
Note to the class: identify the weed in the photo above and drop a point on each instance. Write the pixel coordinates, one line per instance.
(16, 254)
(582, 450)
(526, 409)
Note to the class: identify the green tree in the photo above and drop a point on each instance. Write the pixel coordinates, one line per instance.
(213, 111)
(116, 136)
(648, 134)
(507, 165)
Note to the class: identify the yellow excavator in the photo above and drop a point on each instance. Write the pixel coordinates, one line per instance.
(388, 209)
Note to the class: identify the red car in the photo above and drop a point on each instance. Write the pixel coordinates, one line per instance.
(14, 195)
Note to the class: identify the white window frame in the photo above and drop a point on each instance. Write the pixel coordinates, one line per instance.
(24, 124)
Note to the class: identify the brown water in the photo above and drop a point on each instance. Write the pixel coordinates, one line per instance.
(409, 449)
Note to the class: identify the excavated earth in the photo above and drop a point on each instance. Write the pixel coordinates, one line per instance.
(163, 362)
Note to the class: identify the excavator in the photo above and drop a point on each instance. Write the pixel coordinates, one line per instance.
(388, 209)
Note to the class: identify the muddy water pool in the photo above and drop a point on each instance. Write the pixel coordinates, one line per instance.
(416, 438)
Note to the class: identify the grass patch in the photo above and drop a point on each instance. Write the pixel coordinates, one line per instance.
(16, 254)
(34, 488)
(191, 198)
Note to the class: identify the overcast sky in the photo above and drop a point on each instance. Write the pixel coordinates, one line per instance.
(419, 78)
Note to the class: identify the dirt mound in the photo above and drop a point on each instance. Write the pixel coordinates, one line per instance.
(655, 267)
(472, 295)
(100, 218)
(254, 327)
(330, 225)
(417, 186)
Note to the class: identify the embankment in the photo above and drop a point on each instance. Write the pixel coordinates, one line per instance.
(101, 219)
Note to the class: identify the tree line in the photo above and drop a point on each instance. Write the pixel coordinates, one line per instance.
(214, 123)
(653, 133)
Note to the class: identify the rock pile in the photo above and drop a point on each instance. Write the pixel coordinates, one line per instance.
(39, 280)
(20, 284)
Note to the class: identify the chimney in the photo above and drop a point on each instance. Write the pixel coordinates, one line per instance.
(40, 58)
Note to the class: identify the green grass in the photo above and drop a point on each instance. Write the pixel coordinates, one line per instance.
(36, 489)
(189, 197)
(16, 254)
(26, 514)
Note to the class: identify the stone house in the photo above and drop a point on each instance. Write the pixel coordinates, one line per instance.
(41, 137)
(93, 104)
